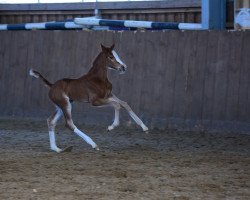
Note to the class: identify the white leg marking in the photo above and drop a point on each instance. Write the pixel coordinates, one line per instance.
(116, 120)
(86, 138)
(52, 125)
(137, 120)
(57, 116)
(52, 140)
(131, 112)
(118, 59)
(31, 72)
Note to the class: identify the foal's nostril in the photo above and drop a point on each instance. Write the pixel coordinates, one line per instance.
(123, 68)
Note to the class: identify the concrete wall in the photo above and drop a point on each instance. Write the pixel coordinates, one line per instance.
(185, 79)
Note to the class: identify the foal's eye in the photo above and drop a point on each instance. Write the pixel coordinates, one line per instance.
(111, 57)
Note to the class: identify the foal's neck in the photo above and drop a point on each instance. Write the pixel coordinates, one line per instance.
(99, 68)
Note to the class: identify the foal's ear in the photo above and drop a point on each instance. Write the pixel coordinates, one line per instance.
(112, 47)
(103, 48)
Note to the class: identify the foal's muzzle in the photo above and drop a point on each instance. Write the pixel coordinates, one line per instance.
(122, 69)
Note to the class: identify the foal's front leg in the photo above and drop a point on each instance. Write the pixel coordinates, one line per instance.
(130, 111)
(99, 102)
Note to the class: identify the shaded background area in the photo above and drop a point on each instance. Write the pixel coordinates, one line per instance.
(184, 79)
(188, 11)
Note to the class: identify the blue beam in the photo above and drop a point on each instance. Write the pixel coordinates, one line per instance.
(213, 14)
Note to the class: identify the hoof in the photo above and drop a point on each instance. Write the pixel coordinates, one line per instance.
(57, 150)
(110, 128)
(96, 148)
(67, 149)
(147, 131)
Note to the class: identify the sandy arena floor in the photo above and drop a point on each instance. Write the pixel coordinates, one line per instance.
(130, 164)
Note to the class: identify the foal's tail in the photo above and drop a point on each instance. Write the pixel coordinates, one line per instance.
(36, 74)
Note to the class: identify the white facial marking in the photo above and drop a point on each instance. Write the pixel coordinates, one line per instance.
(31, 72)
(118, 59)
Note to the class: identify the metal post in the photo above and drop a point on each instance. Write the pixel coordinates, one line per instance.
(213, 14)
(96, 11)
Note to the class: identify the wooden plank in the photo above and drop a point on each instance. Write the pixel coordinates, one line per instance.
(124, 46)
(132, 17)
(20, 72)
(151, 74)
(108, 11)
(52, 12)
(197, 18)
(180, 93)
(147, 68)
(10, 66)
(234, 68)
(248, 92)
(43, 63)
(81, 53)
(66, 41)
(189, 62)
(28, 81)
(140, 11)
(86, 49)
(2, 50)
(159, 82)
(5, 55)
(197, 76)
(221, 72)
(170, 58)
(244, 94)
(190, 17)
(4, 69)
(136, 65)
(160, 17)
(170, 17)
(191, 77)
(209, 81)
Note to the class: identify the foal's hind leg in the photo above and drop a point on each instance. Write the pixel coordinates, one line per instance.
(69, 124)
(130, 111)
(52, 120)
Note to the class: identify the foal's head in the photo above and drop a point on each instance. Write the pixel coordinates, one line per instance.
(113, 60)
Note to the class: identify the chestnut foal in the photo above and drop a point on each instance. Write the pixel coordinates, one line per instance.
(93, 87)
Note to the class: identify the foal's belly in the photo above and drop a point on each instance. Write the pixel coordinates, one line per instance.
(81, 90)
(79, 93)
